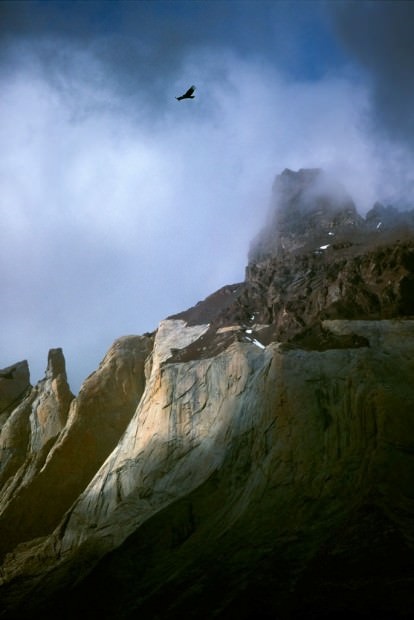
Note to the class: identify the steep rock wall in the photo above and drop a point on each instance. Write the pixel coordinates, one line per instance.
(292, 292)
(286, 444)
(33, 427)
(14, 384)
(58, 442)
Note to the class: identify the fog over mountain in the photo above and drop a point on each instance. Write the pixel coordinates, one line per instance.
(120, 205)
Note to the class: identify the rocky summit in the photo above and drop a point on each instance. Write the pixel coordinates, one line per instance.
(251, 458)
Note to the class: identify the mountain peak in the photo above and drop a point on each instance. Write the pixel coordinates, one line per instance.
(306, 207)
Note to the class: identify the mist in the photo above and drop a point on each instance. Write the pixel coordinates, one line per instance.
(121, 205)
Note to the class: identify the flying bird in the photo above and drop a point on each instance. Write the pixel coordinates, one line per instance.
(188, 94)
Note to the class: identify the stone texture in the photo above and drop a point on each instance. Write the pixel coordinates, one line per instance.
(293, 292)
(77, 435)
(308, 207)
(288, 444)
(14, 384)
(33, 426)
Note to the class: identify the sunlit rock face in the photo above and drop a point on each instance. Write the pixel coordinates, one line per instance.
(52, 444)
(26, 438)
(253, 458)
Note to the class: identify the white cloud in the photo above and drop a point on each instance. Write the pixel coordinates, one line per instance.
(116, 214)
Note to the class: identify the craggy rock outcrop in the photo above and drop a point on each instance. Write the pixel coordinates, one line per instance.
(292, 293)
(63, 441)
(318, 259)
(308, 208)
(14, 384)
(32, 428)
(266, 466)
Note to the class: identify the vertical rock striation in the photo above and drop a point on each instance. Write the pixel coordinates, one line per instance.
(67, 438)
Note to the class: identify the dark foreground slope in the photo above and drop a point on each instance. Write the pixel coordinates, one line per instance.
(263, 464)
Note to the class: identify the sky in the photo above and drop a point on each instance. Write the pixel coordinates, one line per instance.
(121, 205)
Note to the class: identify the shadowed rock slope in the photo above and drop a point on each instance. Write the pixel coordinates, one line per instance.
(252, 458)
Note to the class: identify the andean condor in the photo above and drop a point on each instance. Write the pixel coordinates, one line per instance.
(188, 94)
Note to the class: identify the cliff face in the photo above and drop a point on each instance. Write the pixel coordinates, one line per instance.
(255, 457)
(52, 443)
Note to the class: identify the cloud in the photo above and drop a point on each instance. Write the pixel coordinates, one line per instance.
(121, 205)
(379, 36)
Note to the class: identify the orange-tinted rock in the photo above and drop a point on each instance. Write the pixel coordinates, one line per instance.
(69, 438)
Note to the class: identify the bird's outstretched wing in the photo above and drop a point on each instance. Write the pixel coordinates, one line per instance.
(188, 94)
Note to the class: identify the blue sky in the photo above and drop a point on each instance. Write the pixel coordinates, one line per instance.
(120, 205)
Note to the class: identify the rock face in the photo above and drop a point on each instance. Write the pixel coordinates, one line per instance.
(53, 443)
(29, 432)
(14, 384)
(316, 260)
(254, 458)
(310, 207)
